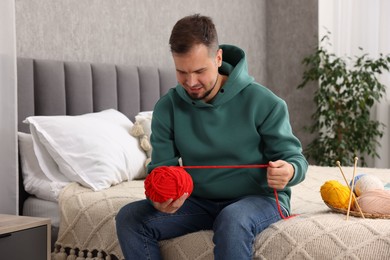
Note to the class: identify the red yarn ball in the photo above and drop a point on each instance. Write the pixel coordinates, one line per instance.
(166, 182)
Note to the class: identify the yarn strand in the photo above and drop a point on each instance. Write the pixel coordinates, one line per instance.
(225, 166)
(240, 167)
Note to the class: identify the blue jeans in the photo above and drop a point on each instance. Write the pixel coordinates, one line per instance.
(235, 224)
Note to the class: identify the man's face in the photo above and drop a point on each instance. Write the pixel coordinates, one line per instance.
(197, 72)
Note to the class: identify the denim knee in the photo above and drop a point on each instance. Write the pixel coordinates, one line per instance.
(131, 214)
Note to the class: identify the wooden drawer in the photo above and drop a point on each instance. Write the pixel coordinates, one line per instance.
(24, 237)
(25, 244)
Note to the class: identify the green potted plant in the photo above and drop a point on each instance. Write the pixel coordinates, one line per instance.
(347, 90)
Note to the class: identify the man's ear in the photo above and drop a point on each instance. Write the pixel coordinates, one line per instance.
(218, 58)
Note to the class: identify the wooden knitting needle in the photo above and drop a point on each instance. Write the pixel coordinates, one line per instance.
(353, 184)
(351, 191)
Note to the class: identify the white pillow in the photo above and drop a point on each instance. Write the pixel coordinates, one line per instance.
(95, 149)
(46, 162)
(34, 180)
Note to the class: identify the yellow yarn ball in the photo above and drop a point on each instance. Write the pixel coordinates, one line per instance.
(335, 194)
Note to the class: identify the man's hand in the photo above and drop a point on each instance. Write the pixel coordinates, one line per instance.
(170, 206)
(279, 173)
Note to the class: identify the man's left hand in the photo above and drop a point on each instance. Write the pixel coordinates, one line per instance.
(279, 173)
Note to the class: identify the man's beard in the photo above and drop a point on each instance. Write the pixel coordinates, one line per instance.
(206, 94)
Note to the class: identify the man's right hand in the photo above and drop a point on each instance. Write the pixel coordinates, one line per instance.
(170, 206)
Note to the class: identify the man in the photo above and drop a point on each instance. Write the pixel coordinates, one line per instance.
(216, 115)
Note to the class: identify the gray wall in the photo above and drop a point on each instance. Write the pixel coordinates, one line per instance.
(131, 31)
(275, 35)
(292, 34)
(8, 150)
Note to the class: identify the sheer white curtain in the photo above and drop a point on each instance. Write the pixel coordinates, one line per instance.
(365, 24)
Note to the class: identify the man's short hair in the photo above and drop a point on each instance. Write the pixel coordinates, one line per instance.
(192, 30)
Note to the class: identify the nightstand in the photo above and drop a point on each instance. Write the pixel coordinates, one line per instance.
(23, 237)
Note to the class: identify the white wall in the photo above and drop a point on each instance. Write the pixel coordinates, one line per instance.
(8, 150)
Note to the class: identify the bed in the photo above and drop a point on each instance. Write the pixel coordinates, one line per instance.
(49, 87)
(83, 209)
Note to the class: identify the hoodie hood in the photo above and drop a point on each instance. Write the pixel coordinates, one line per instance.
(234, 65)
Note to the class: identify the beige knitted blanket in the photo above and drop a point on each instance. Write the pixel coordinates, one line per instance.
(87, 223)
(87, 219)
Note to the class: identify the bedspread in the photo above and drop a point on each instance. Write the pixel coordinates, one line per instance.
(88, 218)
(87, 223)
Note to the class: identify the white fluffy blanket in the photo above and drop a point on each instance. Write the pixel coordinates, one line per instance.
(87, 223)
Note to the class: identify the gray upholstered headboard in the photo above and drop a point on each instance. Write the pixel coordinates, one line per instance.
(47, 87)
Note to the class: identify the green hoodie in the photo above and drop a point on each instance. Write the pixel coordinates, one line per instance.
(244, 124)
